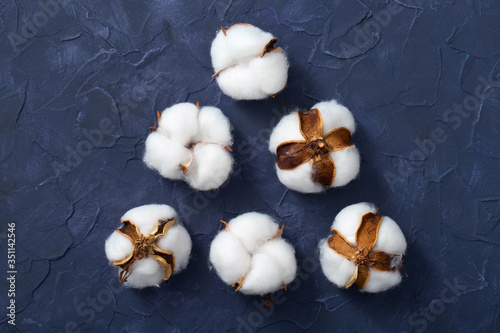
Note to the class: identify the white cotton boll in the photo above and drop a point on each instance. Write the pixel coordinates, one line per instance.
(147, 271)
(253, 229)
(251, 251)
(211, 167)
(177, 240)
(265, 276)
(390, 240)
(213, 126)
(192, 145)
(229, 257)
(179, 122)
(246, 41)
(246, 66)
(165, 155)
(270, 71)
(239, 82)
(346, 161)
(284, 254)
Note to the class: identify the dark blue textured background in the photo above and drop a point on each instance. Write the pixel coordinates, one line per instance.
(420, 76)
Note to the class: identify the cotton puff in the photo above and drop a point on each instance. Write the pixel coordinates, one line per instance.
(247, 65)
(191, 144)
(391, 240)
(250, 253)
(346, 161)
(147, 272)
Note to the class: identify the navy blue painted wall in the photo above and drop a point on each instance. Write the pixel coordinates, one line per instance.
(420, 76)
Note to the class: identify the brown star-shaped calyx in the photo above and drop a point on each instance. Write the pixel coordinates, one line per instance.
(316, 147)
(361, 253)
(145, 246)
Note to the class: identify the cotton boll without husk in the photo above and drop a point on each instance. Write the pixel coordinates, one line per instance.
(251, 250)
(242, 70)
(191, 145)
(390, 240)
(147, 272)
(347, 161)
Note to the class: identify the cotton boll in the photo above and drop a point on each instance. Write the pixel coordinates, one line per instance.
(165, 155)
(210, 168)
(179, 122)
(213, 126)
(270, 71)
(143, 270)
(239, 82)
(246, 64)
(251, 253)
(346, 160)
(265, 276)
(146, 273)
(229, 258)
(390, 240)
(177, 240)
(192, 145)
(253, 229)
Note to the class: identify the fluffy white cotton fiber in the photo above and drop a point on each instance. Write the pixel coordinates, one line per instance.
(250, 252)
(346, 161)
(246, 63)
(391, 240)
(148, 272)
(191, 144)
